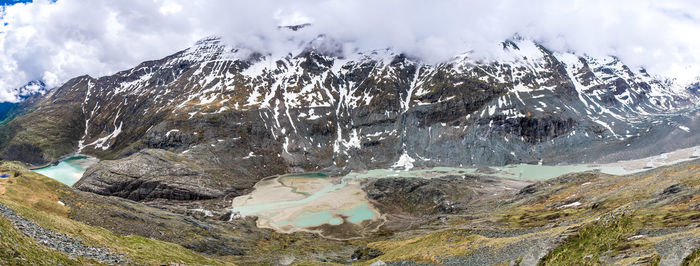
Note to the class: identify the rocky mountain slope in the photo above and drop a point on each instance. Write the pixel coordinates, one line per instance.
(221, 118)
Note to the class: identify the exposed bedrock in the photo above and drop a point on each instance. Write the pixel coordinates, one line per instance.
(444, 195)
(151, 174)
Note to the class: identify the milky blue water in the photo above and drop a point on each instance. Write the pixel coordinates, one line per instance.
(359, 213)
(68, 171)
(311, 219)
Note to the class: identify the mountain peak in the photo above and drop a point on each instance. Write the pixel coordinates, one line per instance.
(30, 89)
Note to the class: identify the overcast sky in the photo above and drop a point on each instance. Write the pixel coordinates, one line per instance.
(56, 41)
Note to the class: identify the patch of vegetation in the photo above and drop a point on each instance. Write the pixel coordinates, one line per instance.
(599, 240)
(431, 247)
(668, 217)
(524, 218)
(309, 247)
(693, 259)
(438, 246)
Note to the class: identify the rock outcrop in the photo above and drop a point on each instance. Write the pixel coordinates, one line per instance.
(150, 174)
(444, 195)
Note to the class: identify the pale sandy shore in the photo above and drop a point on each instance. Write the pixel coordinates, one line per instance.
(290, 204)
(638, 165)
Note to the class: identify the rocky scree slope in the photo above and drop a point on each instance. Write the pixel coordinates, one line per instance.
(227, 117)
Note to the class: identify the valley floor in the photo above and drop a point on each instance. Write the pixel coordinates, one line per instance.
(649, 217)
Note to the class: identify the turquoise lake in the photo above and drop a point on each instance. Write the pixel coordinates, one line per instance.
(309, 219)
(68, 171)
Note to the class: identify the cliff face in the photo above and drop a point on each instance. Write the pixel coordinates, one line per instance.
(231, 117)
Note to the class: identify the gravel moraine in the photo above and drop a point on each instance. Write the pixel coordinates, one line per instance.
(60, 242)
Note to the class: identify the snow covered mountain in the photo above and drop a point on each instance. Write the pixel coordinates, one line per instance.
(232, 116)
(32, 88)
(19, 94)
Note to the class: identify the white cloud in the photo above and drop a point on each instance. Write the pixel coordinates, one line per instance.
(57, 41)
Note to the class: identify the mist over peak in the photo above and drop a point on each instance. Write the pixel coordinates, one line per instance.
(111, 36)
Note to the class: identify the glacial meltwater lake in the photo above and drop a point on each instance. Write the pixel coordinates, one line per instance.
(296, 202)
(69, 170)
(302, 202)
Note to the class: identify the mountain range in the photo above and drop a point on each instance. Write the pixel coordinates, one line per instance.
(195, 129)
(238, 116)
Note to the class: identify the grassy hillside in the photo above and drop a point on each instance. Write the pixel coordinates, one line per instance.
(35, 197)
